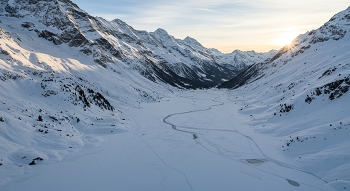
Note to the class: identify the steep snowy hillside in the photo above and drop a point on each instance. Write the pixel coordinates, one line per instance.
(301, 96)
(158, 56)
(55, 100)
(334, 30)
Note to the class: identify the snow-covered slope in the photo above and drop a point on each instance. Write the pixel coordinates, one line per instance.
(65, 77)
(334, 30)
(54, 98)
(157, 55)
(301, 96)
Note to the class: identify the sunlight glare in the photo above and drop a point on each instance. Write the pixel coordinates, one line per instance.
(287, 37)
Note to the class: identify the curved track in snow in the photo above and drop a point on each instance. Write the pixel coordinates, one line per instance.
(267, 158)
(195, 136)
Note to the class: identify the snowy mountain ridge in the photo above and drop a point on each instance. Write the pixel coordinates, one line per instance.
(157, 55)
(302, 94)
(335, 29)
(240, 60)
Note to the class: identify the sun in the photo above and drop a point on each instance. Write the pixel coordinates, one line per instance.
(285, 38)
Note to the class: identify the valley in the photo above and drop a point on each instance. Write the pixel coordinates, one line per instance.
(227, 152)
(91, 104)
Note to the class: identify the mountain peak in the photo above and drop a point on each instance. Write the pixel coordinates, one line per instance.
(341, 16)
(69, 2)
(236, 51)
(161, 32)
(35, 8)
(188, 38)
(13, 2)
(118, 21)
(123, 26)
(192, 41)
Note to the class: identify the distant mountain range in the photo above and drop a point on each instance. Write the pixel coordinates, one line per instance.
(157, 55)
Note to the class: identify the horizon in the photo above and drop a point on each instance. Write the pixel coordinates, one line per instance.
(259, 25)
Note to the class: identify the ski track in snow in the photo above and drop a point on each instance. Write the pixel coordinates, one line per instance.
(177, 170)
(197, 138)
(169, 159)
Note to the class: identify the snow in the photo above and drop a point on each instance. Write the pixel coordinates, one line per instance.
(153, 156)
(108, 127)
(314, 132)
(39, 79)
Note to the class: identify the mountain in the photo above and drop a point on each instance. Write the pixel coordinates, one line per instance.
(239, 60)
(334, 30)
(63, 73)
(67, 77)
(301, 94)
(58, 84)
(158, 56)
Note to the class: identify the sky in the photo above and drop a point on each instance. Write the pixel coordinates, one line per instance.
(226, 25)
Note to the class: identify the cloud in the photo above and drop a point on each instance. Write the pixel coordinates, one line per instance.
(222, 24)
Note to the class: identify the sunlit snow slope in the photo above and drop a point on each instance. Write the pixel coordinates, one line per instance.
(301, 95)
(158, 56)
(52, 96)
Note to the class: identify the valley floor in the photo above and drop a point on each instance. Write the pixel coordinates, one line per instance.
(195, 140)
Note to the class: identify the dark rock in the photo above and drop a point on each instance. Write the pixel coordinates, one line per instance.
(28, 25)
(32, 163)
(50, 37)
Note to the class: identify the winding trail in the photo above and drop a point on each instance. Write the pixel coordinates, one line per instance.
(250, 162)
(195, 136)
(152, 156)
